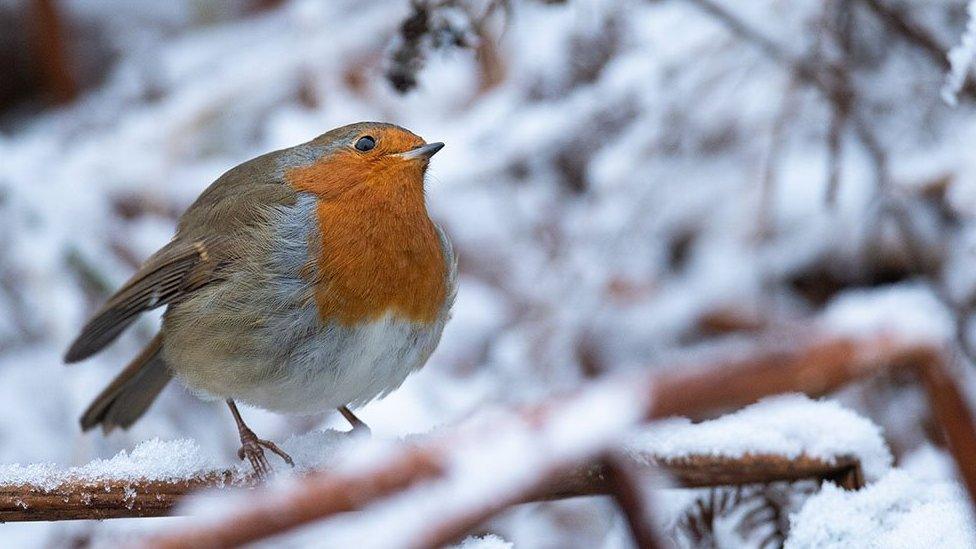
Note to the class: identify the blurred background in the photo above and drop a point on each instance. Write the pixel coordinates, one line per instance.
(624, 181)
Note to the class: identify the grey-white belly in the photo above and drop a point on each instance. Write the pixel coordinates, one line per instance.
(289, 361)
(337, 365)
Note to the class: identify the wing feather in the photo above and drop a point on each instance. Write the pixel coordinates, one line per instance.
(176, 269)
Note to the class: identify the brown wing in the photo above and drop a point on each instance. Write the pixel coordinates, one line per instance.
(178, 268)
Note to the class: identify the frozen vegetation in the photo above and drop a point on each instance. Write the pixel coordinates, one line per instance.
(625, 182)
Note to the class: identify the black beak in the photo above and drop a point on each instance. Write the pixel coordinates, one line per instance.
(423, 151)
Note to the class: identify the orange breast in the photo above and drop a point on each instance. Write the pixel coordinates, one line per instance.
(380, 252)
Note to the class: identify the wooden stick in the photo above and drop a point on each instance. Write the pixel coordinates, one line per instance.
(813, 367)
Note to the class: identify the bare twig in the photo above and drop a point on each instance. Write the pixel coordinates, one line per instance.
(711, 471)
(768, 177)
(625, 486)
(838, 120)
(910, 31)
(841, 99)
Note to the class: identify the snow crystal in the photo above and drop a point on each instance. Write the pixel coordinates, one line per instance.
(152, 460)
(489, 541)
(910, 311)
(788, 425)
(898, 511)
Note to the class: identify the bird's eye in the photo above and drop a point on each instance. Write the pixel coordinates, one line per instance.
(365, 143)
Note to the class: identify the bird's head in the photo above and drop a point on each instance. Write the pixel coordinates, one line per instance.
(372, 157)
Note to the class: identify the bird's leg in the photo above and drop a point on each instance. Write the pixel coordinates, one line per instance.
(357, 424)
(252, 447)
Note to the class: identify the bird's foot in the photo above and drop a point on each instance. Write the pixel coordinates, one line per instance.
(358, 427)
(253, 447)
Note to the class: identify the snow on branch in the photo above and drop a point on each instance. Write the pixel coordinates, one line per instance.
(155, 476)
(103, 499)
(454, 482)
(117, 496)
(147, 482)
(961, 60)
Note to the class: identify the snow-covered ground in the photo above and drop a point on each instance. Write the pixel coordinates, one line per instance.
(633, 183)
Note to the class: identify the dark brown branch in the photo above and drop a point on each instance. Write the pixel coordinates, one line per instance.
(711, 471)
(49, 48)
(626, 487)
(697, 391)
(953, 414)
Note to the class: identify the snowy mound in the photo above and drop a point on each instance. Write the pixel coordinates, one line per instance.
(789, 426)
(898, 511)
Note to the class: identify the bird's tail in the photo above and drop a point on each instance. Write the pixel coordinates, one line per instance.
(131, 393)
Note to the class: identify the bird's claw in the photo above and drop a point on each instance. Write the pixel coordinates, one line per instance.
(253, 447)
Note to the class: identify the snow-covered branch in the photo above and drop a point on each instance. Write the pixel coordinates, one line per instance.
(454, 482)
(41, 493)
(103, 499)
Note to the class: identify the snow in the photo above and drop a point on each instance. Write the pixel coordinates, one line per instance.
(488, 460)
(786, 425)
(152, 460)
(637, 168)
(489, 541)
(909, 311)
(898, 511)
(315, 449)
(961, 60)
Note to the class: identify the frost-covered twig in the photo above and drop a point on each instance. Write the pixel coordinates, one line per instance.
(146, 482)
(551, 439)
(961, 60)
(443, 24)
(105, 498)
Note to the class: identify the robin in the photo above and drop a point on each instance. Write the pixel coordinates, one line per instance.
(306, 279)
